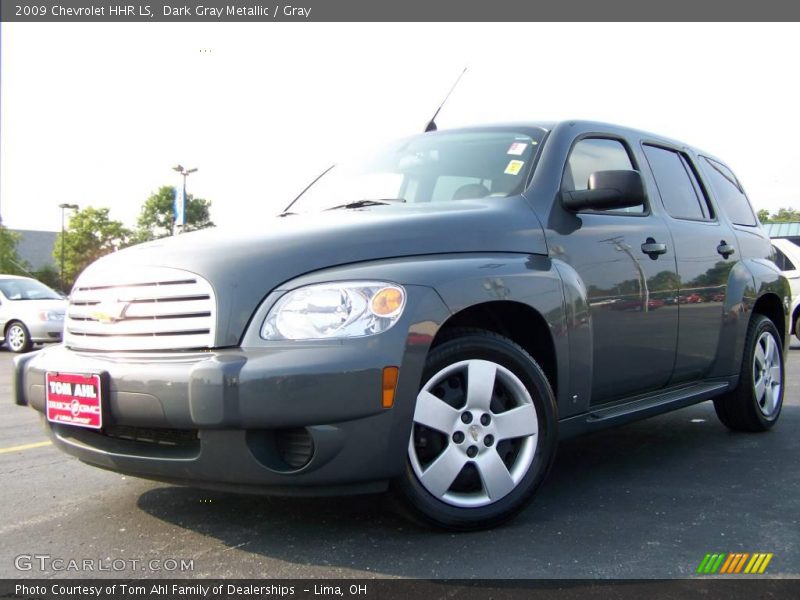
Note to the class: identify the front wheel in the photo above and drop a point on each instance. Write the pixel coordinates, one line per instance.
(483, 436)
(17, 337)
(755, 404)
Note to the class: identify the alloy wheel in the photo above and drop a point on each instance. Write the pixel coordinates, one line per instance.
(767, 373)
(16, 338)
(475, 433)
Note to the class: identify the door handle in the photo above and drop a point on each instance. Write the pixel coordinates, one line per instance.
(725, 249)
(653, 248)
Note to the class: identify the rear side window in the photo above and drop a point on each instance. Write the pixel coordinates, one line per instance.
(680, 191)
(729, 193)
(596, 154)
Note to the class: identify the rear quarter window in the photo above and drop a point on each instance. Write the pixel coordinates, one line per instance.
(729, 193)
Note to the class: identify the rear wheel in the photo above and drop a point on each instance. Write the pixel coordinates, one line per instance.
(483, 436)
(755, 404)
(17, 337)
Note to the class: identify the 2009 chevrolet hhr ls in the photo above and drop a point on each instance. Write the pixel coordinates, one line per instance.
(431, 319)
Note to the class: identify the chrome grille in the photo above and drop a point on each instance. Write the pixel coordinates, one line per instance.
(155, 308)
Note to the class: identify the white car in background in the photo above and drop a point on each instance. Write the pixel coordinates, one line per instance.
(30, 313)
(787, 257)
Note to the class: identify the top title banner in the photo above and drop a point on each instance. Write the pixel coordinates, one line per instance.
(397, 10)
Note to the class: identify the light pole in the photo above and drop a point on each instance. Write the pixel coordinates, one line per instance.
(185, 173)
(63, 207)
(621, 246)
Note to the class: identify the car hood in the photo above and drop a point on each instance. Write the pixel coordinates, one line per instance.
(243, 265)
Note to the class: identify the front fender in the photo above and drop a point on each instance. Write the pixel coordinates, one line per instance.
(465, 280)
(531, 280)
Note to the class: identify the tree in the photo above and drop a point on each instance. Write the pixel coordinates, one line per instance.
(664, 280)
(10, 262)
(784, 215)
(90, 235)
(49, 276)
(157, 215)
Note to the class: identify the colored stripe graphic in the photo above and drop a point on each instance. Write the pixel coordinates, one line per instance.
(717, 563)
(733, 562)
(701, 568)
(766, 562)
(711, 563)
(726, 567)
(740, 564)
(753, 562)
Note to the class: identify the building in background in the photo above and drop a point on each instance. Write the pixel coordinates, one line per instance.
(36, 248)
(788, 231)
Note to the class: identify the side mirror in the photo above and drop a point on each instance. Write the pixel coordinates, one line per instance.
(608, 190)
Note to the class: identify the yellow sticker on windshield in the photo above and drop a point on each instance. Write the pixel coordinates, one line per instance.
(514, 167)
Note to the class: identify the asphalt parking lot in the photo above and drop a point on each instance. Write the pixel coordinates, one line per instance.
(645, 500)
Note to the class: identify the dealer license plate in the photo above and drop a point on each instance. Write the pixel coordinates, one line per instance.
(74, 399)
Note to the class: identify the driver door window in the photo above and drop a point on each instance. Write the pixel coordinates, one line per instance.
(596, 154)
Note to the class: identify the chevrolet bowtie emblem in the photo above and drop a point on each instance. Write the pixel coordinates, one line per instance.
(110, 312)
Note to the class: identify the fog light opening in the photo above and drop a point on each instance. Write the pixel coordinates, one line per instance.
(295, 447)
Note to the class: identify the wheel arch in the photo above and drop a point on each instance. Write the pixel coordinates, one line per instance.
(769, 305)
(9, 323)
(504, 317)
(528, 299)
(771, 296)
(754, 286)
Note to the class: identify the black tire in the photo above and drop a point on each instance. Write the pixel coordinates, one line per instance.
(743, 409)
(484, 347)
(18, 338)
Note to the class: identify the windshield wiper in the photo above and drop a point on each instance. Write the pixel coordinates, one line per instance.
(363, 203)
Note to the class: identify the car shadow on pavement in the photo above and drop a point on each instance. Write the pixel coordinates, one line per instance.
(645, 500)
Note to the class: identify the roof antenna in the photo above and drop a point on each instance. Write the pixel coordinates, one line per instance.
(432, 123)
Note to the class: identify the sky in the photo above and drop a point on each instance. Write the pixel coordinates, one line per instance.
(97, 114)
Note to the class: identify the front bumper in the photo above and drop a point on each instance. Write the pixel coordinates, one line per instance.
(216, 419)
(44, 332)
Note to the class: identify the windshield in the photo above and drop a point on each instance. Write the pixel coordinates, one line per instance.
(27, 289)
(433, 167)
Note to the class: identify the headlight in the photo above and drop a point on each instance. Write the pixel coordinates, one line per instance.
(51, 315)
(335, 310)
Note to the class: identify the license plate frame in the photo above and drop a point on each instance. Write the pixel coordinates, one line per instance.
(80, 404)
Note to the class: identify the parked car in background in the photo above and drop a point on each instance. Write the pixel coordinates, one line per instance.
(30, 313)
(431, 320)
(787, 257)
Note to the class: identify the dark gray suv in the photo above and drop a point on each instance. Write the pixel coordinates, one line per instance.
(431, 319)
